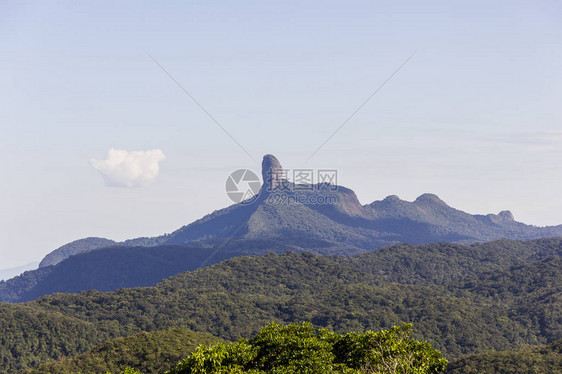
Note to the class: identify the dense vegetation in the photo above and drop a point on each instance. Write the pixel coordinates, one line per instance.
(300, 348)
(31, 335)
(495, 296)
(453, 265)
(146, 352)
(532, 360)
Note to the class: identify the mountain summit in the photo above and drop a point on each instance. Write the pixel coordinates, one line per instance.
(272, 172)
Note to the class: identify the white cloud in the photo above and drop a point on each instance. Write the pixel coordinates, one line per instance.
(129, 169)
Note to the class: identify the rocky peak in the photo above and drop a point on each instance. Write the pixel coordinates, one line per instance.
(271, 171)
(502, 217)
(429, 198)
(506, 215)
(392, 199)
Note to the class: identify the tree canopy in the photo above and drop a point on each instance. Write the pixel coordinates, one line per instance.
(300, 348)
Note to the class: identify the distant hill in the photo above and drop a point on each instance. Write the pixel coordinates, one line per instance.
(105, 270)
(74, 248)
(15, 271)
(464, 300)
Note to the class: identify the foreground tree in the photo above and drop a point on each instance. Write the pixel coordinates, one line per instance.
(300, 348)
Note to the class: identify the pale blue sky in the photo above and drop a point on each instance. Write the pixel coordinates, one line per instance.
(474, 117)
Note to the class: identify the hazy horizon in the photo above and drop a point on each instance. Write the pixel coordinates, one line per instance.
(474, 117)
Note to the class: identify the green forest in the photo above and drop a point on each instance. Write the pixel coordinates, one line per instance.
(467, 302)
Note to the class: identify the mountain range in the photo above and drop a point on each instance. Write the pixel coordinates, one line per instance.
(323, 219)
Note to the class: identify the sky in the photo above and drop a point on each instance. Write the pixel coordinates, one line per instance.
(96, 139)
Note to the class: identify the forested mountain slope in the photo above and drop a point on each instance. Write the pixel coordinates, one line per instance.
(148, 352)
(483, 307)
